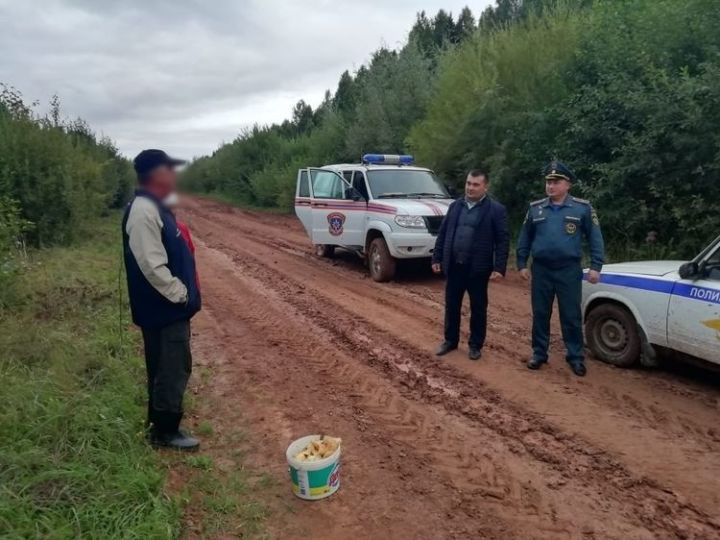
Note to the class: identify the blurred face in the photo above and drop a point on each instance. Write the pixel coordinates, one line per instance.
(557, 188)
(162, 181)
(475, 187)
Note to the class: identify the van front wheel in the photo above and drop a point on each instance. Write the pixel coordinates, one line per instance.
(382, 264)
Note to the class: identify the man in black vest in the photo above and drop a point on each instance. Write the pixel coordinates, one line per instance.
(164, 294)
(471, 249)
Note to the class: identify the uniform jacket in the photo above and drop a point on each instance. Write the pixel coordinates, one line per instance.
(554, 236)
(490, 243)
(162, 281)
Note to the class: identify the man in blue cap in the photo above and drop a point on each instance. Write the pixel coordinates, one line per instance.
(553, 233)
(164, 294)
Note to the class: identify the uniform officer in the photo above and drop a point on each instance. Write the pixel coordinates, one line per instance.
(553, 233)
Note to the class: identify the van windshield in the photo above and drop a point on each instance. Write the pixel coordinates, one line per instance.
(405, 183)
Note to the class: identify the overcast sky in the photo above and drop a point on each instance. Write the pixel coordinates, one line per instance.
(187, 75)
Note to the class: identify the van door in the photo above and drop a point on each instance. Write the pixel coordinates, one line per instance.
(337, 219)
(694, 314)
(303, 201)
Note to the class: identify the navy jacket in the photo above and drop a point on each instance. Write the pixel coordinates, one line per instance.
(554, 235)
(491, 241)
(150, 309)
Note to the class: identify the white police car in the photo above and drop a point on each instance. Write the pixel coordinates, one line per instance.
(641, 308)
(383, 209)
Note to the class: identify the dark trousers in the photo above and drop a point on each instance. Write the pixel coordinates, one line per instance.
(459, 280)
(169, 364)
(566, 284)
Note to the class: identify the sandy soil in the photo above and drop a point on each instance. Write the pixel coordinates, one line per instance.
(435, 448)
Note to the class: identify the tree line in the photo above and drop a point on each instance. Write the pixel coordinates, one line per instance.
(56, 176)
(627, 93)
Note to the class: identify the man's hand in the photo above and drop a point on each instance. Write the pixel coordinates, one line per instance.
(495, 276)
(594, 277)
(437, 268)
(525, 274)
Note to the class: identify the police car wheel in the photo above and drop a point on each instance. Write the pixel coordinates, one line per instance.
(612, 335)
(324, 250)
(380, 262)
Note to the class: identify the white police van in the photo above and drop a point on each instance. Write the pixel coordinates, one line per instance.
(641, 308)
(383, 209)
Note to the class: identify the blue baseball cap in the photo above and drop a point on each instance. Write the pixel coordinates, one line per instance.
(149, 159)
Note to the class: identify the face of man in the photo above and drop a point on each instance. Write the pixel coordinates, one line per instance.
(475, 187)
(557, 188)
(162, 181)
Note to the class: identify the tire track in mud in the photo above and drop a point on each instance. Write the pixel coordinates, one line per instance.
(399, 296)
(418, 377)
(399, 293)
(381, 414)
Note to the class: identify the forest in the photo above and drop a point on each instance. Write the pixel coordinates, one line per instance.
(626, 93)
(56, 177)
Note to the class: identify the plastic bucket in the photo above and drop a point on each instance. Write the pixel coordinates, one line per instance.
(313, 480)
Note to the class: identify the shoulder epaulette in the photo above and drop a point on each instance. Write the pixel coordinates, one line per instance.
(583, 201)
(539, 201)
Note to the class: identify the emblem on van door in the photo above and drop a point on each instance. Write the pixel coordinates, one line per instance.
(336, 220)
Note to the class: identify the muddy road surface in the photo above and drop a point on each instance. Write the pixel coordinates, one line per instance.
(435, 448)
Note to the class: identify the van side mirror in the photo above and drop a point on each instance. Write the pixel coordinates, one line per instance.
(452, 191)
(688, 270)
(353, 194)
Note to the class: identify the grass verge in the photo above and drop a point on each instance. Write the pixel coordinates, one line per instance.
(73, 459)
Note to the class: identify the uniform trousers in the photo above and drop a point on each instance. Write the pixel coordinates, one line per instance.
(565, 283)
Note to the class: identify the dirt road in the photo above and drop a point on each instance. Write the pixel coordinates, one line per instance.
(436, 448)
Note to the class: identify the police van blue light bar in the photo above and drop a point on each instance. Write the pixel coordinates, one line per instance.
(388, 159)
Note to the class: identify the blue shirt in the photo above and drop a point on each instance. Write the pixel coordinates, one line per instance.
(553, 233)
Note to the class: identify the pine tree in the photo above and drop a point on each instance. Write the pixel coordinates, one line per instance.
(344, 99)
(465, 24)
(422, 35)
(443, 28)
(302, 117)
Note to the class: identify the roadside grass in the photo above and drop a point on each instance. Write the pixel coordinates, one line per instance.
(222, 496)
(73, 459)
(224, 503)
(74, 462)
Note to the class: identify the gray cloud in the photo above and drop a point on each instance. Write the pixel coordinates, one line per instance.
(186, 75)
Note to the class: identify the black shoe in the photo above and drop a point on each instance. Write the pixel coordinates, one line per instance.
(534, 363)
(474, 353)
(175, 441)
(578, 368)
(445, 347)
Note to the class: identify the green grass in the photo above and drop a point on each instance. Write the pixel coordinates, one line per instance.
(73, 459)
(204, 463)
(226, 504)
(205, 429)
